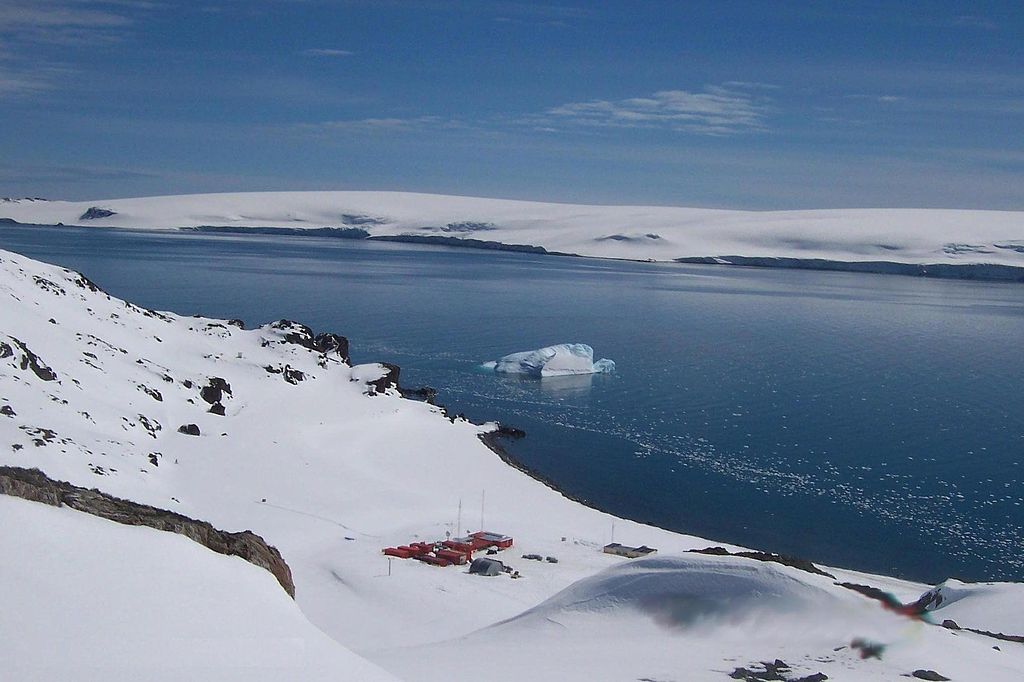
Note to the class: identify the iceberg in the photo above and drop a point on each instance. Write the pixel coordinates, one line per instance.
(563, 359)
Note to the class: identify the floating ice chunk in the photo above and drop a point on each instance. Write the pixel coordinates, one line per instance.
(551, 361)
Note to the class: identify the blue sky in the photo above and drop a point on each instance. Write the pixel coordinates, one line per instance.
(728, 104)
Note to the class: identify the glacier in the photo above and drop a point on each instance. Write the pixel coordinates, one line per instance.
(563, 359)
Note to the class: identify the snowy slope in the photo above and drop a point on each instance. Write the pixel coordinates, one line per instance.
(994, 607)
(699, 618)
(94, 390)
(634, 232)
(89, 599)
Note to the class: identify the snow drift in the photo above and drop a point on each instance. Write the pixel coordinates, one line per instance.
(564, 359)
(689, 590)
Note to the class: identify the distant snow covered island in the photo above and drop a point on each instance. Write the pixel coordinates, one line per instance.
(969, 244)
(167, 482)
(564, 359)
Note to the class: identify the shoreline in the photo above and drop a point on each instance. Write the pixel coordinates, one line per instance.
(973, 272)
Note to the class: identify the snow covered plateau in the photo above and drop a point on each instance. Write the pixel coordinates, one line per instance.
(908, 241)
(272, 430)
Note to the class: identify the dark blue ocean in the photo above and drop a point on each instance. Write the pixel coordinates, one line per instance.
(866, 421)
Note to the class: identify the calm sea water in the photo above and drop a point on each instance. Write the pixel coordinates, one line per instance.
(866, 421)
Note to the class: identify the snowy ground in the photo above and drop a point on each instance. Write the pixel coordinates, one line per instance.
(94, 390)
(917, 236)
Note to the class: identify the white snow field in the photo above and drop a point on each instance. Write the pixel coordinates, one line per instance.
(330, 471)
(563, 359)
(89, 599)
(915, 236)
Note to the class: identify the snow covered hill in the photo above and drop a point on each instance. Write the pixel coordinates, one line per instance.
(271, 430)
(89, 599)
(903, 236)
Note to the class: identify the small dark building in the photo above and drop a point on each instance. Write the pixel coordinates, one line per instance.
(485, 566)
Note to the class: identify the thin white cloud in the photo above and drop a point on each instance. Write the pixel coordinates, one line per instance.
(974, 21)
(717, 110)
(382, 125)
(29, 30)
(327, 52)
(887, 99)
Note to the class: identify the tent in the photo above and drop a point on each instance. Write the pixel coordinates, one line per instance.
(483, 566)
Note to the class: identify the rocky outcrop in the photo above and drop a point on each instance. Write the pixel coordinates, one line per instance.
(301, 335)
(34, 485)
(427, 394)
(214, 390)
(975, 271)
(328, 343)
(29, 360)
(95, 212)
(388, 380)
(771, 557)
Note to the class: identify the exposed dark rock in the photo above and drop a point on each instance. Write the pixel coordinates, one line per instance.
(34, 485)
(189, 429)
(237, 323)
(389, 380)
(40, 436)
(296, 333)
(425, 393)
(468, 226)
(152, 393)
(331, 343)
(292, 375)
(950, 624)
(5, 350)
(777, 670)
(973, 271)
(801, 564)
(30, 360)
(154, 458)
(929, 675)
(83, 281)
(95, 212)
(7, 411)
(444, 240)
(214, 390)
(333, 232)
(357, 219)
(48, 286)
(217, 408)
(289, 373)
(627, 238)
(152, 426)
(997, 635)
(889, 601)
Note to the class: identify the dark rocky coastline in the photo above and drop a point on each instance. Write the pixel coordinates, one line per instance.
(988, 272)
(969, 271)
